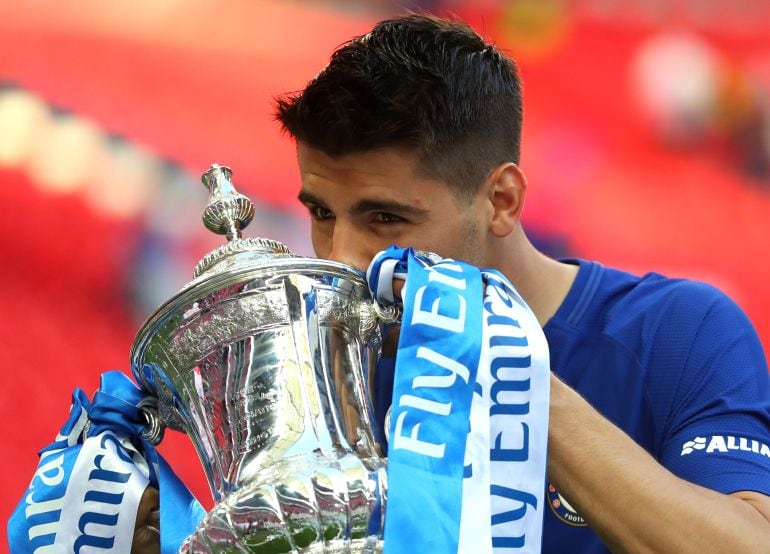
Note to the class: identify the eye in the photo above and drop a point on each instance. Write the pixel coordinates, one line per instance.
(388, 218)
(319, 213)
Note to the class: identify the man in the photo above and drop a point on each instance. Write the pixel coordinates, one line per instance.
(659, 436)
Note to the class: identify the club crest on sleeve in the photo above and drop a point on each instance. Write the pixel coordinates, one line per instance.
(562, 509)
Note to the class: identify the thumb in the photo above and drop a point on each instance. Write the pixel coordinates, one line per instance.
(147, 528)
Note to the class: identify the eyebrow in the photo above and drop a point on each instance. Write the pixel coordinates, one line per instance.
(307, 198)
(366, 205)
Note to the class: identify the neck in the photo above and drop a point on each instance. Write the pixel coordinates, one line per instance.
(542, 281)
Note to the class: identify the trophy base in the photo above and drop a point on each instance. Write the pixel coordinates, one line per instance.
(358, 546)
(303, 504)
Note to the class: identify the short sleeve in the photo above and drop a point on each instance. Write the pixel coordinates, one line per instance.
(717, 429)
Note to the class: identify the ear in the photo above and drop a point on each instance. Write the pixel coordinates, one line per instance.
(506, 188)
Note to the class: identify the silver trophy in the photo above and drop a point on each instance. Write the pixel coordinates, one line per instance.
(266, 360)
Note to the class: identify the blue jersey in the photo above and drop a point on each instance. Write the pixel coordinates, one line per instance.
(678, 367)
(673, 363)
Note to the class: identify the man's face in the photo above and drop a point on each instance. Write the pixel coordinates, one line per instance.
(360, 204)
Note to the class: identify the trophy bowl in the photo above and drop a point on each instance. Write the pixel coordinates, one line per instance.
(267, 361)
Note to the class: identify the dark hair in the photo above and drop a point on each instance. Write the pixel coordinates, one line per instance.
(428, 84)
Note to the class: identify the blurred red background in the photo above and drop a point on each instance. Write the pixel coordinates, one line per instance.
(646, 145)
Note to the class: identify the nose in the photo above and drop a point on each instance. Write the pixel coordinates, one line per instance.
(349, 246)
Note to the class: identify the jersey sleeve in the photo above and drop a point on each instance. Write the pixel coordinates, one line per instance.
(716, 432)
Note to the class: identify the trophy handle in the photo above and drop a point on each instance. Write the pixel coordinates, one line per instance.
(386, 314)
(155, 429)
(376, 316)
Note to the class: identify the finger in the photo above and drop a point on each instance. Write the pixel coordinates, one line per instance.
(398, 286)
(147, 527)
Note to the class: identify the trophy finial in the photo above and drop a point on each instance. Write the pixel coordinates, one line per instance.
(227, 211)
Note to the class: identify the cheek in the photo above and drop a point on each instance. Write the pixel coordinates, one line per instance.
(473, 251)
(442, 243)
(462, 242)
(321, 239)
(473, 244)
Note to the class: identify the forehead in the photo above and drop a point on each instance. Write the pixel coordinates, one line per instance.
(384, 173)
(367, 165)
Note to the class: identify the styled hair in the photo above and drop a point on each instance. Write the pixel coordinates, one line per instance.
(429, 85)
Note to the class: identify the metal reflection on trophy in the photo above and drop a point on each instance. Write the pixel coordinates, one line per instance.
(266, 360)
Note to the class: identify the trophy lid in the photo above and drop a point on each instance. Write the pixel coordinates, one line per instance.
(227, 213)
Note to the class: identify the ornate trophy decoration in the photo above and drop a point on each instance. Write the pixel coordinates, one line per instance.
(266, 360)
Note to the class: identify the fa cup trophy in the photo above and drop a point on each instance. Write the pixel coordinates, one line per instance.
(267, 360)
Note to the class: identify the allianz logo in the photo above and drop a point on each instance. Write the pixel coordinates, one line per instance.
(725, 443)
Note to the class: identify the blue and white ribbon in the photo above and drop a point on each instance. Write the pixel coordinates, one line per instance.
(469, 418)
(85, 493)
